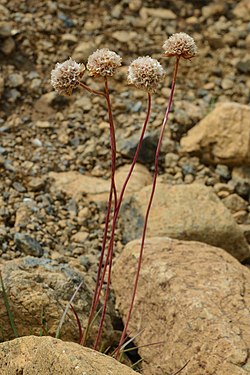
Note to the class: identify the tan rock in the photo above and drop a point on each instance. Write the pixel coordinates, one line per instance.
(186, 212)
(165, 14)
(193, 297)
(242, 10)
(222, 136)
(235, 203)
(39, 291)
(33, 355)
(75, 184)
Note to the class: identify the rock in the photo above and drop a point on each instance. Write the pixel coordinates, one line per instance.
(36, 183)
(127, 147)
(1, 86)
(47, 355)
(19, 187)
(223, 171)
(213, 9)
(165, 14)
(135, 5)
(186, 212)
(124, 36)
(5, 29)
(23, 216)
(242, 10)
(15, 80)
(80, 237)
(8, 45)
(193, 299)
(28, 245)
(235, 203)
(222, 136)
(82, 51)
(38, 290)
(75, 184)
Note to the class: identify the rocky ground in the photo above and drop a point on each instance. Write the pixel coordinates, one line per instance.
(54, 151)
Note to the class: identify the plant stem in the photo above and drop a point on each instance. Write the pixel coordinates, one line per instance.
(112, 141)
(112, 190)
(111, 242)
(100, 93)
(149, 207)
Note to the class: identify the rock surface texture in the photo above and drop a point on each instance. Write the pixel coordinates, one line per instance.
(178, 212)
(193, 297)
(38, 292)
(222, 136)
(33, 355)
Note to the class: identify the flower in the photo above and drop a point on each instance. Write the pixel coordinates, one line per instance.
(103, 62)
(145, 73)
(66, 76)
(181, 45)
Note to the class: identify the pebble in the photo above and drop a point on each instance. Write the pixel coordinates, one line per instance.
(15, 80)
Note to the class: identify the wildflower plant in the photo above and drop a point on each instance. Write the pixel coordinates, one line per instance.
(147, 74)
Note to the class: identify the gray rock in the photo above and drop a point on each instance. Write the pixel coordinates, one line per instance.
(128, 146)
(28, 245)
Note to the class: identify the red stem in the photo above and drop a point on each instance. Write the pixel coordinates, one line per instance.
(111, 243)
(148, 208)
(96, 296)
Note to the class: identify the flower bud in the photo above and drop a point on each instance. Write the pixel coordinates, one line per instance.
(180, 44)
(145, 73)
(66, 76)
(103, 62)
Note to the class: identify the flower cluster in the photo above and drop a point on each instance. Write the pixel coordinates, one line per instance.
(66, 76)
(181, 45)
(103, 62)
(145, 73)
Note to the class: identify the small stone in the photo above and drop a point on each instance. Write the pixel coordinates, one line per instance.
(69, 38)
(223, 171)
(84, 103)
(242, 188)
(15, 80)
(124, 36)
(227, 84)
(162, 13)
(135, 5)
(8, 46)
(80, 237)
(28, 245)
(241, 217)
(82, 51)
(36, 184)
(235, 203)
(19, 187)
(43, 124)
(5, 29)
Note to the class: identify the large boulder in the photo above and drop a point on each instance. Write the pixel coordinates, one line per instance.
(222, 137)
(186, 212)
(45, 355)
(38, 291)
(192, 298)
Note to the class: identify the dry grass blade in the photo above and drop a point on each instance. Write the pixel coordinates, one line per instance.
(66, 310)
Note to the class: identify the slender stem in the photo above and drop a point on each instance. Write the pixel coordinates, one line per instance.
(96, 295)
(148, 208)
(91, 90)
(112, 140)
(95, 299)
(111, 243)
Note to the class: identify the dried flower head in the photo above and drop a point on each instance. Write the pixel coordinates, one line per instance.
(66, 76)
(145, 73)
(181, 45)
(103, 62)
